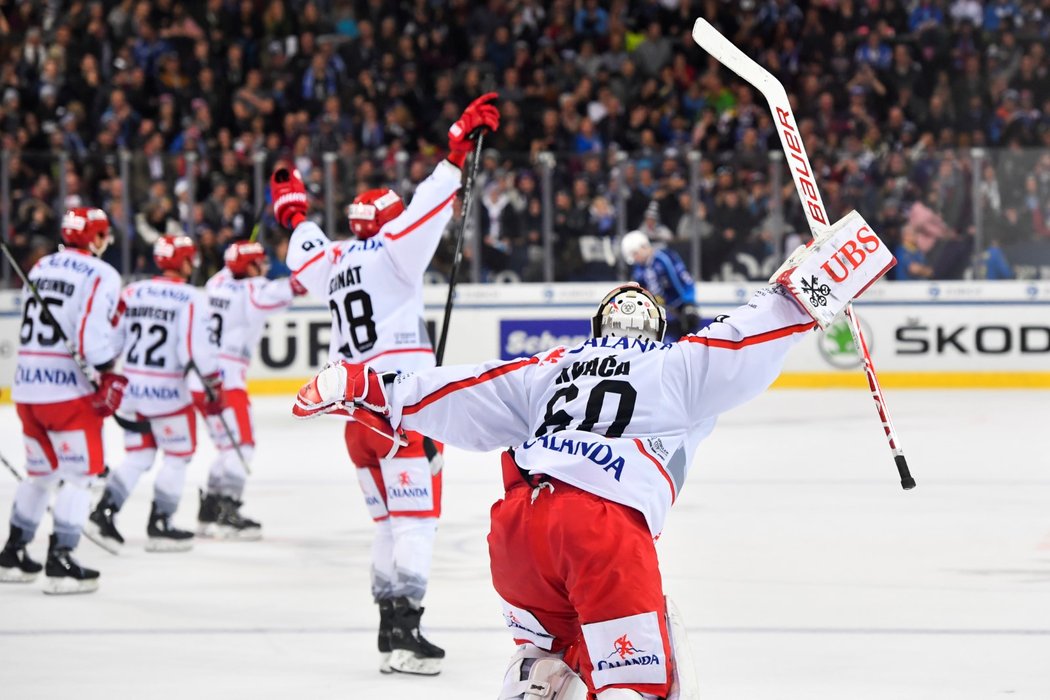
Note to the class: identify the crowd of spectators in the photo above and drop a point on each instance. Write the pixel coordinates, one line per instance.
(892, 98)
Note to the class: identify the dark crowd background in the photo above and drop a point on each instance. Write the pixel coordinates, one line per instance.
(931, 117)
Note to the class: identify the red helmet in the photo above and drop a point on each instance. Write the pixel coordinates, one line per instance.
(169, 252)
(242, 254)
(81, 226)
(371, 210)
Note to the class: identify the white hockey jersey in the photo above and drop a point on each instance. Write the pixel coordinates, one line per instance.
(619, 418)
(374, 287)
(237, 313)
(165, 326)
(82, 293)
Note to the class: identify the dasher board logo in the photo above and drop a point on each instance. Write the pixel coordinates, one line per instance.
(526, 337)
(837, 347)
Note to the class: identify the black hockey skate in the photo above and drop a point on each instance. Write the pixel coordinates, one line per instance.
(233, 525)
(386, 624)
(65, 575)
(15, 564)
(410, 652)
(101, 528)
(165, 537)
(208, 515)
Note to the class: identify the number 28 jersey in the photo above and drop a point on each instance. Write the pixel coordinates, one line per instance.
(82, 293)
(374, 287)
(617, 417)
(164, 327)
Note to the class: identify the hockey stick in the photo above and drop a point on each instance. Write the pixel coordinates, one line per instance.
(89, 373)
(222, 419)
(9, 467)
(712, 41)
(468, 199)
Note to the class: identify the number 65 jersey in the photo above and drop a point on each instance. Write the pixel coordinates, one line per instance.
(617, 417)
(374, 287)
(82, 293)
(165, 327)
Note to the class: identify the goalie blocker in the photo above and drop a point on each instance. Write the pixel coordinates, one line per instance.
(835, 268)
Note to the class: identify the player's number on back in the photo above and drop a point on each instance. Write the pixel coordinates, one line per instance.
(557, 418)
(360, 326)
(158, 334)
(45, 321)
(215, 330)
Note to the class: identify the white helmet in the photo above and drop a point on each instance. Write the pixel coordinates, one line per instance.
(632, 243)
(630, 311)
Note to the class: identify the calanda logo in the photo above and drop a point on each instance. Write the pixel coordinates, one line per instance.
(406, 489)
(624, 653)
(836, 344)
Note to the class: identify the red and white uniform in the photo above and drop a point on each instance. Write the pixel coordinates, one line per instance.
(374, 289)
(236, 317)
(610, 426)
(165, 328)
(51, 393)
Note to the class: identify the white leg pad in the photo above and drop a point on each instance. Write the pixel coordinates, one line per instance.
(535, 674)
(684, 684)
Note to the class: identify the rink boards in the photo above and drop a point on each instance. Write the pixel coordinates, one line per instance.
(921, 335)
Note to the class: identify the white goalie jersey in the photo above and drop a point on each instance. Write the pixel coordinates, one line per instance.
(620, 418)
(164, 328)
(82, 293)
(374, 287)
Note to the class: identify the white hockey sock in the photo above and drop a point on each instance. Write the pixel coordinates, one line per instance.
(215, 473)
(71, 509)
(413, 551)
(30, 503)
(383, 561)
(167, 489)
(123, 479)
(233, 474)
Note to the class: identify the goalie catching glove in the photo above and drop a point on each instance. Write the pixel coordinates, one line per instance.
(348, 389)
(835, 268)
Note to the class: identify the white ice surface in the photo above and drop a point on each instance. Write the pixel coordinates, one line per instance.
(802, 569)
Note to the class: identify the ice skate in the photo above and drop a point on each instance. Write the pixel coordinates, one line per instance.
(165, 537)
(386, 623)
(65, 575)
(233, 525)
(101, 528)
(410, 650)
(15, 564)
(208, 515)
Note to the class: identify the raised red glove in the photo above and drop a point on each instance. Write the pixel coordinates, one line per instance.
(214, 398)
(341, 386)
(289, 197)
(106, 399)
(480, 114)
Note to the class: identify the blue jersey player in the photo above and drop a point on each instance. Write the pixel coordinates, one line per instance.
(663, 273)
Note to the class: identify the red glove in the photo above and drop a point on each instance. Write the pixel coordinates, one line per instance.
(478, 115)
(214, 400)
(106, 399)
(289, 197)
(342, 386)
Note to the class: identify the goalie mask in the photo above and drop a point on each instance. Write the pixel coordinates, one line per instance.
(629, 311)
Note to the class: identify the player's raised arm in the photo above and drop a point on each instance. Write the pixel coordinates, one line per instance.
(308, 245)
(480, 407)
(413, 236)
(740, 355)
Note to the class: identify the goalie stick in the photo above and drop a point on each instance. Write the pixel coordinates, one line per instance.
(729, 55)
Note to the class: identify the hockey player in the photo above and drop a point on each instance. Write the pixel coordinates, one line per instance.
(240, 299)
(373, 285)
(165, 329)
(61, 412)
(604, 433)
(662, 272)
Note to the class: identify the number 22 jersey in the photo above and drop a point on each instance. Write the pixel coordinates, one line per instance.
(374, 287)
(164, 327)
